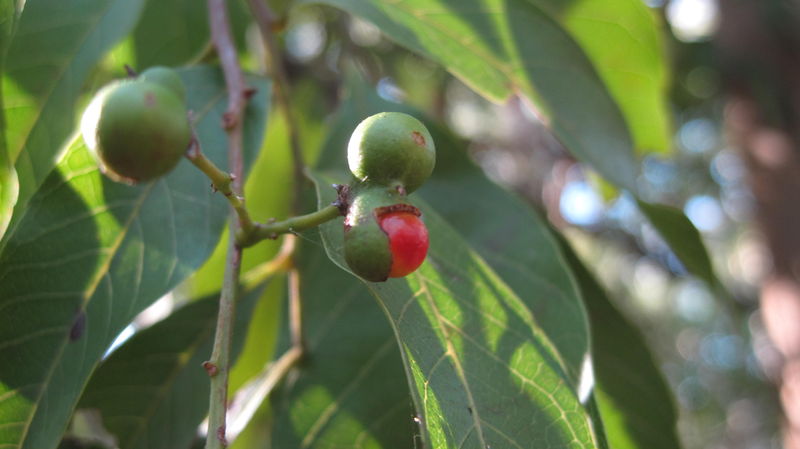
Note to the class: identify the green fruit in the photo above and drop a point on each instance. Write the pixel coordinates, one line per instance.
(166, 77)
(368, 245)
(391, 148)
(137, 130)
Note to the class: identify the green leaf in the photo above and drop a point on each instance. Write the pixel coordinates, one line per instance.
(175, 32)
(484, 371)
(352, 392)
(152, 392)
(262, 334)
(55, 46)
(517, 245)
(9, 184)
(461, 193)
(682, 237)
(89, 254)
(501, 47)
(635, 402)
(623, 40)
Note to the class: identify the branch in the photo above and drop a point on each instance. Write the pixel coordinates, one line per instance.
(296, 311)
(282, 262)
(266, 24)
(220, 181)
(263, 231)
(219, 365)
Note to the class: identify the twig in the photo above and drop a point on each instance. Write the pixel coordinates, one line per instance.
(263, 231)
(220, 181)
(258, 390)
(218, 366)
(282, 262)
(232, 122)
(296, 310)
(266, 21)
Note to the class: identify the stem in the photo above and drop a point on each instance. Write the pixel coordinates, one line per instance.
(296, 310)
(282, 262)
(262, 231)
(218, 366)
(250, 233)
(266, 21)
(232, 122)
(221, 181)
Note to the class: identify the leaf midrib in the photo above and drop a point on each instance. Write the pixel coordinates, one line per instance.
(451, 353)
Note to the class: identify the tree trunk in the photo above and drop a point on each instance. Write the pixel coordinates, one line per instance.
(759, 54)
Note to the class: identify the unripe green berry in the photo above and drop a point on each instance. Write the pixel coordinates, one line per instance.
(137, 130)
(391, 148)
(166, 77)
(383, 235)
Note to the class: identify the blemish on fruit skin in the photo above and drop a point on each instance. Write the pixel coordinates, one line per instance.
(394, 208)
(419, 139)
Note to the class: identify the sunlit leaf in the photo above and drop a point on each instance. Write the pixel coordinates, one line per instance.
(461, 193)
(8, 176)
(483, 370)
(352, 391)
(89, 254)
(623, 40)
(419, 337)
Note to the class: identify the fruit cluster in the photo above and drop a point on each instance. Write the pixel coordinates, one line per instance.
(138, 128)
(391, 154)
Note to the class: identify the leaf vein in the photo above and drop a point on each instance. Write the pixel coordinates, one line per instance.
(451, 351)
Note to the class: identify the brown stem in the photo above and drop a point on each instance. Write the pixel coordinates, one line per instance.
(296, 310)
(282, 262)
(266, 21)
(232, 122)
